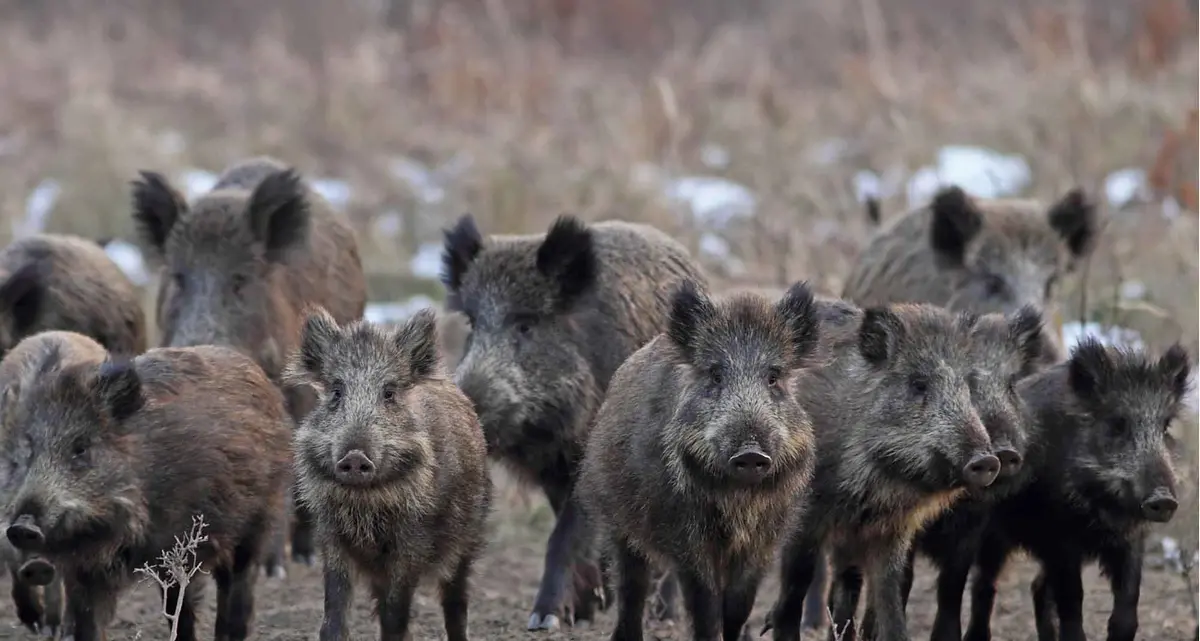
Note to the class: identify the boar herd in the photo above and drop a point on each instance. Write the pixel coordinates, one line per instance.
(686, 439)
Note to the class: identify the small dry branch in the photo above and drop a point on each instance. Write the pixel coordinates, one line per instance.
(176, 568)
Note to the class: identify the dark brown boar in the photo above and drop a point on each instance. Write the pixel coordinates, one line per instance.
(393, 465)
(240, 264)
(51, 281)
(1099, 472)
(30, 572)
(700, 452)
(900, 441)
(116, 457)
(552, 317)
(976, 255)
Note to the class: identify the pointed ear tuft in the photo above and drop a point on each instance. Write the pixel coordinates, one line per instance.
(691, 308)
(463, 242)
(1090, 368)
(955, 221)
(418, 339)
(878, 334)
(22, 293)
(1075, 219)
(1176, 366)
(567, 255)
(799, 311)
(278, 213)
(1025, 329)
(317, 338)
(157, 206)
(118, 388)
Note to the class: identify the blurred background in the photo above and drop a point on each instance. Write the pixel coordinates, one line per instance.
(751, 130)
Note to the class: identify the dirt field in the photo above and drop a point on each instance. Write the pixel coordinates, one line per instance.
(507, 580)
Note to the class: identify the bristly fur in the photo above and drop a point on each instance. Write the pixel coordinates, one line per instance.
(690, 308)
(1074, 217)
(418, 338)
(955, 221)
(279, 213)
(463, 242)
(156, 208)
(879, 331)
(568, 257)
(1026, 332)
(119, 388)
(798, 307)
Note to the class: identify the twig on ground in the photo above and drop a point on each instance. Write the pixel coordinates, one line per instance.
(176, 568)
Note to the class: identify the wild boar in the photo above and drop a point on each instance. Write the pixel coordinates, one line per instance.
(393, 464)
(551, 318)
(238, 267)
(52, 281)
(900, 442)
(700, 452)
(1098, 473)
(114, 458)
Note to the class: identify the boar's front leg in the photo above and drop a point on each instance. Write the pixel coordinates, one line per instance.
(395, 609)
(339, 592)
(1123, 565)
(91, 603)
(1062, 587)
(703, 604)
(816, 610)
(560, 556)
(801, 554)
(737, 603)
(887, 579)
(633, 577)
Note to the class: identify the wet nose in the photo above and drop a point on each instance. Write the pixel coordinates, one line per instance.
(355, 467)
(1010, 461)
(982, 470)
(25, 535)
(36, 572)
(1159, 508)
(749, 465)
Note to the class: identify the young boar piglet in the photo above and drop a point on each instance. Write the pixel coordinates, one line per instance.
(551, 318)
(1100, 472)
(700, 452)
(116, 457)
(239, 265)
(30, 571)
(899, 441)
(393, 465)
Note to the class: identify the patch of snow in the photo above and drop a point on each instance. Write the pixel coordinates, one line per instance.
(1125, 186)
(714, 156)
(427, 262)
(38, 206)
(129, 258)
(713, 201)
(396, 311)
(337, 192)
(197, 182)
(424, 183)
(1073, 332)
(389, 224)
(1171, 209)
(981, 172)
(717, 248)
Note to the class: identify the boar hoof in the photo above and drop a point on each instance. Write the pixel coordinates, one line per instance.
(546, 622)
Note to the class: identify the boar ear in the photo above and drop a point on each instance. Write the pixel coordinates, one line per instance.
(21, 294)
(1175, 366)
(799, 310)
(878, 334)
(278, 212)
(418, 339)
(690, 309)
(157, 206)
(1074, 218)
(1090, 368)
(317, 337)
(118, 388)
(1025, 329)
(568, 256)
(463, 244)
(955, 221)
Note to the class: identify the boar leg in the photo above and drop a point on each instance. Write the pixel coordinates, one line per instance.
(801, 555)
(1043, 608)
(816, 608)
(844, 596)
(303, 548)
(455, 599)
(395, 608)
(560, 555)
(235, 601)
(738, 601)
(1123, 565)
(92, 602)
(951, 583)
(887, 577)
(703, 605)
(1065, 581)
(633, 586)
(29, 606)
(990, 559)
(339, 592)
(909, 576)
(54, 598)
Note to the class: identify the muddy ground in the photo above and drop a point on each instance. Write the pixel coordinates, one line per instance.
(507, 577)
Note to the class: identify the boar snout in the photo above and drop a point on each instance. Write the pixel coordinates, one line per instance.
(1010, 460)
(354, 468)
(750, 465)
(982, 470)
(25, 535)
(36, 572)
(1160, 506)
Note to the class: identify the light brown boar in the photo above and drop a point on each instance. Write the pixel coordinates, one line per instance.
(393, 464)
(240, 264)
(115, 458)
(53, 281)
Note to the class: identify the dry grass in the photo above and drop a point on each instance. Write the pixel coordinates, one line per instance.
(557, 102)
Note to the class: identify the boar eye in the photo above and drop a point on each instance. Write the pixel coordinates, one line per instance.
(389, 393)
(1119, 425)
(715, 375)
(918, 385)
(335, 395)
(79, 451)
(773, 376)
(994, 284)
